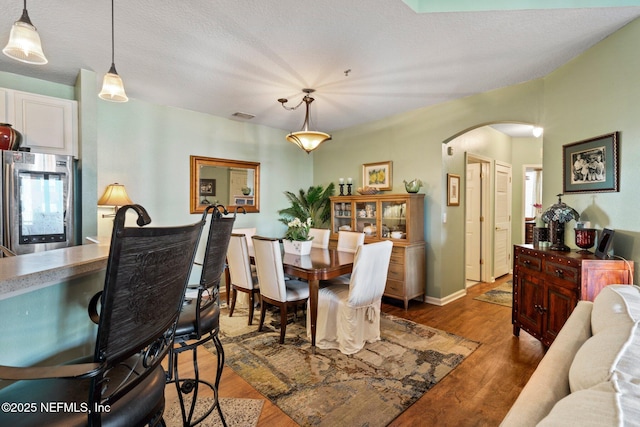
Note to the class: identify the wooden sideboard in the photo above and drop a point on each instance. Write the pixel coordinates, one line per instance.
(548, 284)
(378, 216)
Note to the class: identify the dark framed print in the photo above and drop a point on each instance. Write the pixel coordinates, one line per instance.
(207, 187)
(604, 243)
(453, 190)
(591, 166)
(377, 175)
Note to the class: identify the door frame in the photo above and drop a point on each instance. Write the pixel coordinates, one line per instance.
(486, 237)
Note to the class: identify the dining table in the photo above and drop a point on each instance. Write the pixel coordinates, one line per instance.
(320, 264)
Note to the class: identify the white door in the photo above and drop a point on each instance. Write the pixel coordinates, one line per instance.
(472, 227)
(502, 236)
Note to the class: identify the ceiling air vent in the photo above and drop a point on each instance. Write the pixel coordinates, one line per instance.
(245, 116)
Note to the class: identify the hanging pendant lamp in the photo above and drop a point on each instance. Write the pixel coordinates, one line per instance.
(24, 42)
(306, 139)
(112, 86)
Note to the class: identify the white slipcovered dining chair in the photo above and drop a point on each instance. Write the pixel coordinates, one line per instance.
(274, 290)
(320, 237)
(248, 233)
(348, 241)
(242, 276)
(349, 315)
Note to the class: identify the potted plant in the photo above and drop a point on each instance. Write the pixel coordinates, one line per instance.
(296, 239)
(314, 204)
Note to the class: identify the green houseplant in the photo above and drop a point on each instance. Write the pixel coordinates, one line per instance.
(314, 204)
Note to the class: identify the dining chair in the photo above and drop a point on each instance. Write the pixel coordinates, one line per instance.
(320, 237)
(123, 382)
(349, 315)
(249, 233)
(5, 251)
(243, 277)
(199, 321)
(274, 289)
(348, 241)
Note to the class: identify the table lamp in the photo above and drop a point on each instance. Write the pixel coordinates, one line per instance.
(114, 195)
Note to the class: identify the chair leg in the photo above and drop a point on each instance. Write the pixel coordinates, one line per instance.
(283, 322)
(263, 312)
(251, 306)
(234, 295)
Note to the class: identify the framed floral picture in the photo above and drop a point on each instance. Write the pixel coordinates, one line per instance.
(377, 175)
(453, 189)
(591, 166)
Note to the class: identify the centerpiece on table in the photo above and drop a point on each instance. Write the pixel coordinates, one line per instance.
(557, 216)
(297, 240)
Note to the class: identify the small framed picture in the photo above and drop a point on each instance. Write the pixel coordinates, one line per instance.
(207, 187)
(591, 166)
(453, 190)
(377, 175)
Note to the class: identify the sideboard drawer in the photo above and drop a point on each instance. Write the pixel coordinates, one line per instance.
(396, 272)
(529, 262)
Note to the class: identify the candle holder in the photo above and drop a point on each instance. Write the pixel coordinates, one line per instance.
(341, 189)
(585, 239)
(348, 189)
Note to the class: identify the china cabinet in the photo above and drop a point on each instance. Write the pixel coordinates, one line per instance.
(395, 217)
(547, 286)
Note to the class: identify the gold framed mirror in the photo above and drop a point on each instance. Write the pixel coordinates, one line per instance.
(232, 183)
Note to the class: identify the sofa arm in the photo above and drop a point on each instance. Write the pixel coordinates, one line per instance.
(550, 381)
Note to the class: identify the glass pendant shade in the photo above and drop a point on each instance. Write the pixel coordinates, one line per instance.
(308, 140)
(112, 87)
(24, 42)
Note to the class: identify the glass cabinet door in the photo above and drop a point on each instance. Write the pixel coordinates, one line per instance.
(394, 219)
(366, 220)
(342, 216)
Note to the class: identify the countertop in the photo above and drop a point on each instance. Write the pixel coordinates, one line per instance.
(29, 272)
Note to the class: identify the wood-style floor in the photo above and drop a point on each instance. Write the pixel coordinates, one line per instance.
(479, 392)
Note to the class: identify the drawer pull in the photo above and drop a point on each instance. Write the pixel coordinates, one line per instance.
(526, 262)
(540, 309)
(559, 273)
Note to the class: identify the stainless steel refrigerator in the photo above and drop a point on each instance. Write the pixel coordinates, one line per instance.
(37, 203)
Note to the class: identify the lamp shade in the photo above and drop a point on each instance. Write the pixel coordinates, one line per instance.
(115, 195)
(24, 44)
(308, 140)
(112, 87)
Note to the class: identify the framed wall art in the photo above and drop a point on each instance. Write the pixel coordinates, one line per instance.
(453, 190)
(591, 166)
(377, 175)
(207, 187)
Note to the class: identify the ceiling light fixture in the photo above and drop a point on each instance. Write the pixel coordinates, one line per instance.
(306, 139)
(24, 42)
(112, 86)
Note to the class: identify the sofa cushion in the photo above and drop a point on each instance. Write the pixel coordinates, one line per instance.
(615, 306)
(602, 405)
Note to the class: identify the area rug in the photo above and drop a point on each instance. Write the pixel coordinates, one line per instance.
(369, 388)
(501, 295)
(237, 412)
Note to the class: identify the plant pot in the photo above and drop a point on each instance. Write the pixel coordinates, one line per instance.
(297, 247)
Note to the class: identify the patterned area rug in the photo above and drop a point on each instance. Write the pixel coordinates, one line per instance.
(328, 388)
(237, 412)
(501, 295)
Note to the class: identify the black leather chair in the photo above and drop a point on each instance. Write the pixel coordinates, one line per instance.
(200, 319)
(123, 383)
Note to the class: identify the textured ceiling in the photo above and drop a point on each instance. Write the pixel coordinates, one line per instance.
(226, 56)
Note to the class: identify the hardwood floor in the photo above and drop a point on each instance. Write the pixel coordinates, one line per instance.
(479, 392)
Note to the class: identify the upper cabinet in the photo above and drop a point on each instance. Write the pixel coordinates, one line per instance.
(47, 124)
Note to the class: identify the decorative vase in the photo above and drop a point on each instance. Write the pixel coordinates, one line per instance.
(412, 186)
(585, 239)
(297, 247)
(10, 139)
(556, 234)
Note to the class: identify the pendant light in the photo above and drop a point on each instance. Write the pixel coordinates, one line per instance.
(24, 42)
(306, 139)
(112, 86)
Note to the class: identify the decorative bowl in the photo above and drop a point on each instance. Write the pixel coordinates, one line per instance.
(367, 190)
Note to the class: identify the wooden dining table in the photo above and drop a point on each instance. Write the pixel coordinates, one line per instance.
(320, 264)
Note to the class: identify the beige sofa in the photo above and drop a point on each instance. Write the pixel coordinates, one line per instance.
(590, 376)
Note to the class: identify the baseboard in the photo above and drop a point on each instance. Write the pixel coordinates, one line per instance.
(447, 299)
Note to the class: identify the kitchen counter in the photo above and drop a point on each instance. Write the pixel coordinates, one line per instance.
(29, 272)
